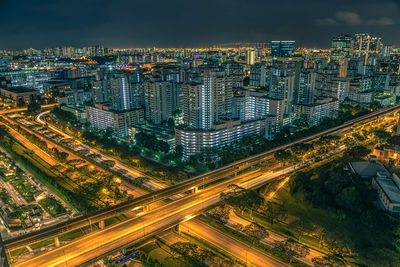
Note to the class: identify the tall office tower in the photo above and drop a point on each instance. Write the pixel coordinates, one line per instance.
(207, 102)
(342, 47)
(121, 93)
(258, 75)
(343, 65)
(365, 45)
(282, 48)
(305, 89)
(158, 100)
(250, 57)
(282, 86)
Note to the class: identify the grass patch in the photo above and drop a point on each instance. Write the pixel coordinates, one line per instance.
(42, 244)
(71, 235)
(16, 253)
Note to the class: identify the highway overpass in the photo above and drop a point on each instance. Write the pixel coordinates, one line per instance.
(192, 184)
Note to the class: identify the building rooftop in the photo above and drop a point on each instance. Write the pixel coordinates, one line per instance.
(368, 169)
(19, 89)
(390, 189)
(56, 82)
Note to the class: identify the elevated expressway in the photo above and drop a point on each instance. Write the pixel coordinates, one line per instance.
(170, 214)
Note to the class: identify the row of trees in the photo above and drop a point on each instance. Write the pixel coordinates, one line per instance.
(151, 142)
(129, 153)
(250, 145)
(242, 200)
(77, 200)
(354, 224)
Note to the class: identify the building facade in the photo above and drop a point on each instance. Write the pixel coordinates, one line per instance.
(102, 117)
(222, 134)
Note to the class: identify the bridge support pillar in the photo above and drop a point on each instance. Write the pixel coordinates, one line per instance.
(56, 241)
(178, 228)
(101, 225)
(146, 208)
(195, 189)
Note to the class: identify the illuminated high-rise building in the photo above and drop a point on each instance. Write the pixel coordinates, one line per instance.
(67, 51)
(342, 46)
(158, 100)
(96, 50)
(305, 89)
(282, 48)
(365, 45)
(258, 75)
(343, 65)
(282, 86)
(250, 57)
(209, 101)
(123, 96)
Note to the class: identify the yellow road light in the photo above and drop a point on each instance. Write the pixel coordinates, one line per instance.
(188, 217)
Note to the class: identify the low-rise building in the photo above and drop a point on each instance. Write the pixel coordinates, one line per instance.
(56, 87)
(368, 169)
(20, 94)
(161, 132)
(78, 111)
(222, 134)
(387, 154)
(389, 193)
(102, 117)
(362, 97)
(385, 99)
(5, 81)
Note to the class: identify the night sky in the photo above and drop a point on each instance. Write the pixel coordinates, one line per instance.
(186, 23)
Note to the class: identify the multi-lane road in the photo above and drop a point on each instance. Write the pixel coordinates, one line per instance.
(156, 220)
(238, 249)
(98, 244)
(129, 172)
(6, 111)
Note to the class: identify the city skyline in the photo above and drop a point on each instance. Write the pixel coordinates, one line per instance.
(179, 24)
(200, 133)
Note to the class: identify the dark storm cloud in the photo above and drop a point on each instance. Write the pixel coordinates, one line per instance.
(185, 23)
